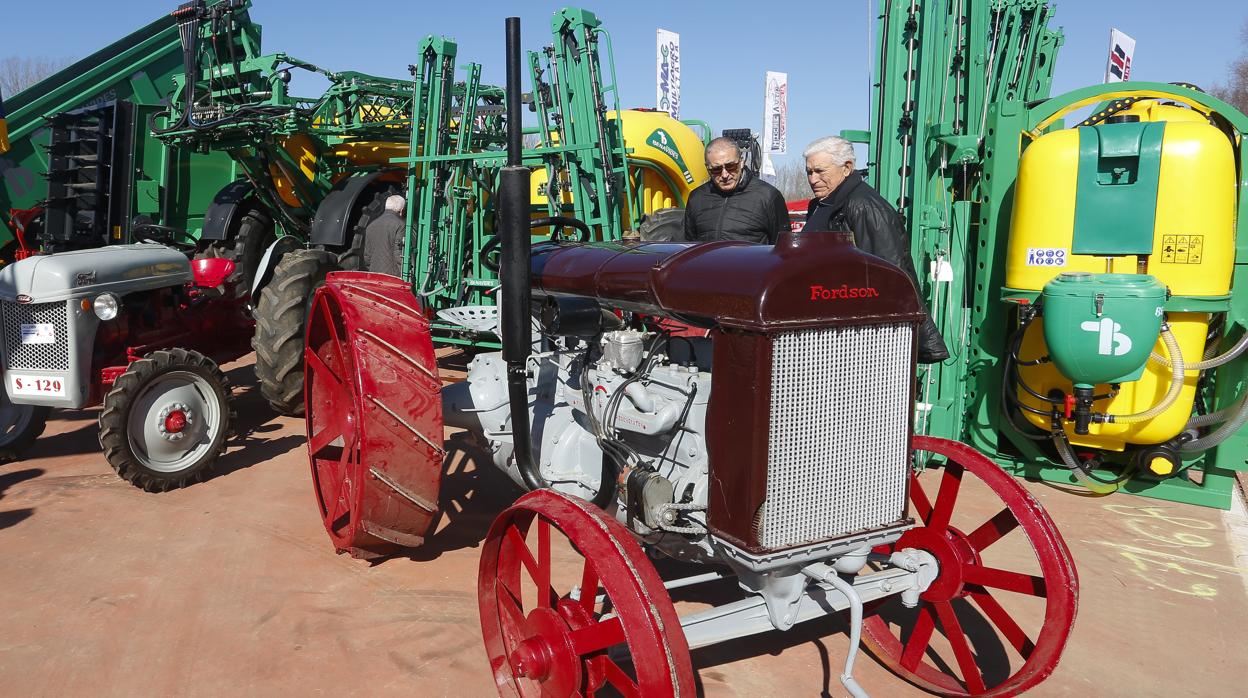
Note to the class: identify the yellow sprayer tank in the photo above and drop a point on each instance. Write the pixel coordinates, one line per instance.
(666, 160)
(1151, 194)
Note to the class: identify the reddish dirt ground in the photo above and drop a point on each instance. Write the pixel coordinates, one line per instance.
(230, 588)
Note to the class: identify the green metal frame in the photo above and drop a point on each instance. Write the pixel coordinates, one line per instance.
(456, 153)
(960, 89)
(172, 187)
(241, 106)
(1013, 126)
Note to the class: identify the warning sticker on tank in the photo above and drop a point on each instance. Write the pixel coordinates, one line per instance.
(39, 333)
(1182, 249)
(1046, 257)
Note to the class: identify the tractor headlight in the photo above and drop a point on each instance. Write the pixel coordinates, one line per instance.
(105, 306)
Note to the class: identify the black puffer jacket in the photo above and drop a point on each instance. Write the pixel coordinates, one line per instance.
(877, 229)
(754, 211)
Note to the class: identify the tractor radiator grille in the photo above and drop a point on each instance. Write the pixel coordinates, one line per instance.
(43, 357)
(840, 432)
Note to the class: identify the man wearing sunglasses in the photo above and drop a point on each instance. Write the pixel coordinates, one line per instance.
(735, 204)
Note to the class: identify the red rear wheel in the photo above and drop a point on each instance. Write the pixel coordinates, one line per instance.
(1003, 605)
(618, 634)
(373, 412)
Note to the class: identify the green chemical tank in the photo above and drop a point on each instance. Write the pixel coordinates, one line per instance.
(1100, 328)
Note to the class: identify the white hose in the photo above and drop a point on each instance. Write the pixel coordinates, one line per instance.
(1177, 370)
(1230, 355)
(1204, 420)
(1238, 415)
(1070, 459)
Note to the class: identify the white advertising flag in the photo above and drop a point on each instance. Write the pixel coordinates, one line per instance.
(667, 73)
(767, 170)
(1121, 48)
(776, 114)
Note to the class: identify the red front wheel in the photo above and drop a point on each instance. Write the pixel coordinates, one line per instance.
(571, 606)
(995, 620)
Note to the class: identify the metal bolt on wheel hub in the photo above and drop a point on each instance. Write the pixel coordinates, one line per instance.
(173, 420)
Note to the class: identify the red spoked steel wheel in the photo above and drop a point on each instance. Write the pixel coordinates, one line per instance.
(373, 413)
(548, 643)
(1018, 592)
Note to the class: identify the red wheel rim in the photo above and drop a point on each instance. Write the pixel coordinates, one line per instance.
(333, 410)
(557, 645)
(1020, 611)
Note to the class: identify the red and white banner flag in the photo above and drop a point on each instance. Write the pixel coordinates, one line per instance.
(776, 113)
(1121, 48)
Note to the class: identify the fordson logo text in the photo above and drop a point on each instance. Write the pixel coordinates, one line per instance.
(822, 293)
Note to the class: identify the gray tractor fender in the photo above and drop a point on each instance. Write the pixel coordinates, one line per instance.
(268, 262)
(333, 215)
(225, 208)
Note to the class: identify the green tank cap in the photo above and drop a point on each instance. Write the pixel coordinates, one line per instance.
(1100, 328)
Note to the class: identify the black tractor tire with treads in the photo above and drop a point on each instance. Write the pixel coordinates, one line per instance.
(250, 237)
(115, 419)
(18, 437)
(281, 320)
(663, 225)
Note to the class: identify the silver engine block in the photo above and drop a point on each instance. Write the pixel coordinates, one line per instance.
(658, 408)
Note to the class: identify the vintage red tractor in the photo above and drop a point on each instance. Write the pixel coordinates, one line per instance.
(777, 451)
(138, 328)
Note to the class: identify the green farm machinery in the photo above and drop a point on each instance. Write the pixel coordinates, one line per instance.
(592, 162)
(83, 169)
(1013, 214)
(318, 171)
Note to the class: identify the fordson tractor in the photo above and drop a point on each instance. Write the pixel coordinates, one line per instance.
(778, 451)
(137, 328)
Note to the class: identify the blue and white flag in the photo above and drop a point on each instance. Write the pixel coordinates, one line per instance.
(667, 72)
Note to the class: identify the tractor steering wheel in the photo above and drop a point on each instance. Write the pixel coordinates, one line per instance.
(489, 256)
(164, 235)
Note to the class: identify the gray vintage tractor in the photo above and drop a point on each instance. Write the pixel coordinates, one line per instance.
(137, 328)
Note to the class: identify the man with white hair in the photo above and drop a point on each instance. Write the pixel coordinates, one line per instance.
(383, 239)
(734, 204)
(843, 202)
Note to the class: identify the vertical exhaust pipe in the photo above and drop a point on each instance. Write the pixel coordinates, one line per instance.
(513, 220)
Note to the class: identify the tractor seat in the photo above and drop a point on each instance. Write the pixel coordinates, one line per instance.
(211, 272)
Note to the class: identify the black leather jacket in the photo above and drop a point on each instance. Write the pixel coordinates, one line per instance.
(753, 211)
(877, 229)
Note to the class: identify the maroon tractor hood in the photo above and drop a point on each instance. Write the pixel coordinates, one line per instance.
(805, 280)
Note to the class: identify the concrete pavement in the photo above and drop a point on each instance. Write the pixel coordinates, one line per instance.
(231, 588)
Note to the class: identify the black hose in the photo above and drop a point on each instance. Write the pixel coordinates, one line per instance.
(561, 222)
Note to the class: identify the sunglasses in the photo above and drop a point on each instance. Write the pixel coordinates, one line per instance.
(729, 167)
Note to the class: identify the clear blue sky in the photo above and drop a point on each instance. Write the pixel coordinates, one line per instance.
(726, 46)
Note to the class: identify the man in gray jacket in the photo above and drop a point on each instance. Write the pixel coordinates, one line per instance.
(383, 239)
(734, 204)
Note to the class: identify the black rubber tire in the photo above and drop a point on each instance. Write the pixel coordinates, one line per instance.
(250, 237)
(663, 225)
(281, 320)
(13, 443)
(351, 257)
(115, 418)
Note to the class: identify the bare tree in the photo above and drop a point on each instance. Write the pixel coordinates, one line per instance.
(18, 72)
(1235, 91)
(791, 180)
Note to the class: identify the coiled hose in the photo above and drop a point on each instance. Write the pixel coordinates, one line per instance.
(1232, 419)
(1081, 472)
(1230, 355)
(1177, 371)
